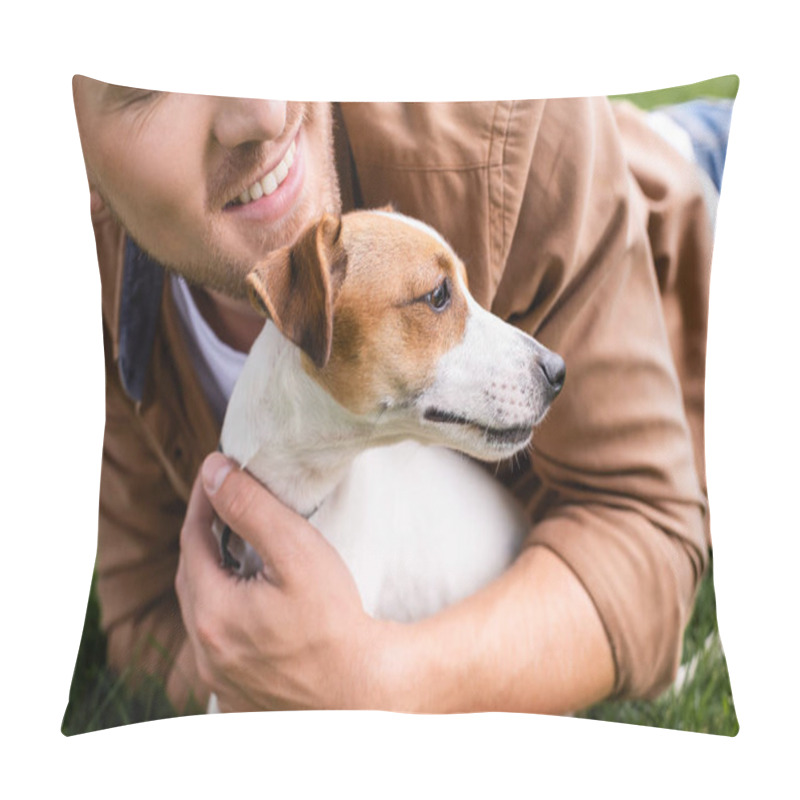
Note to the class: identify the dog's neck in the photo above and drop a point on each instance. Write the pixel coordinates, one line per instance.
(286, 430)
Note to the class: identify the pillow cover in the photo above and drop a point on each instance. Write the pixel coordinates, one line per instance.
(587, 223)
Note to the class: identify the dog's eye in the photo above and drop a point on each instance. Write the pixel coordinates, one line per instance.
(439, 298)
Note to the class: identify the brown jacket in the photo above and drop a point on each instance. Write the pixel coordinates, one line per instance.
(575, 223)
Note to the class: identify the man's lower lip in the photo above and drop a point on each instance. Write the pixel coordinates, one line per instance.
(270, 208)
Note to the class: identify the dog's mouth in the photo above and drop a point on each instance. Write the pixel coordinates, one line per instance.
(513, 435)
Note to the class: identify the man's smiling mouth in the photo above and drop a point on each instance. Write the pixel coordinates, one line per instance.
(269, 183)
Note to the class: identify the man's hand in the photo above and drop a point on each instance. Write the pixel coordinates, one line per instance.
(529, 641)
(300, 639)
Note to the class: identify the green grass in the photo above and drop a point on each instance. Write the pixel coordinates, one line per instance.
(725, 86)
(99, 699)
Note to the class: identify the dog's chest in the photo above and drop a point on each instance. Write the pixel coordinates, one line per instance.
(420, 528)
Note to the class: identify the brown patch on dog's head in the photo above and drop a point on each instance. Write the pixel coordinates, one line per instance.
(387, 334)
(297, 286)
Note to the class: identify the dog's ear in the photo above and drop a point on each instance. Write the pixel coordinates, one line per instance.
(296, 287)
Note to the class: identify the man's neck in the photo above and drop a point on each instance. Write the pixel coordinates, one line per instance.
(234, 322)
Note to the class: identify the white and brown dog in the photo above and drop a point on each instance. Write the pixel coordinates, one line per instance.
(377, 356)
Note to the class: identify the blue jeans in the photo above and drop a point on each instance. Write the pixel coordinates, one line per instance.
(707, 122)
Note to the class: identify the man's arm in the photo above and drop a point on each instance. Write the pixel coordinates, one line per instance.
(530, 641)
(598, 603)
(139, 521)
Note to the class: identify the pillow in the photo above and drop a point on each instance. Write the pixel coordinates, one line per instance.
(587, 223)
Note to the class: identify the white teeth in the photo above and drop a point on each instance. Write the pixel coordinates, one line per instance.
(270, 184)
(272, 180)
(281, 171)
(256, 191)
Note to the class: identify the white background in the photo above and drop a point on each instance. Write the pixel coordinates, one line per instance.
(53, 404)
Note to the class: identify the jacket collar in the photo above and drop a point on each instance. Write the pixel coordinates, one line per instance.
(140, 300)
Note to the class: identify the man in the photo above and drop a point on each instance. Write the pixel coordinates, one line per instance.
(538, 199)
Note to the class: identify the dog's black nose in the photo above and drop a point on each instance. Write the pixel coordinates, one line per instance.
(554, 369)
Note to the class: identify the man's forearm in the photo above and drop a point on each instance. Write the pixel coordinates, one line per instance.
(530, 641)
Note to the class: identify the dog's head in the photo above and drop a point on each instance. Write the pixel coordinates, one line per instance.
(379, 305)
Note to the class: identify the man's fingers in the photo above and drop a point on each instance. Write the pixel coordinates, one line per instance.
(276, 532)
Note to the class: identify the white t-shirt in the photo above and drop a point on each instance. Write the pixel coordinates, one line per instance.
(217, 365)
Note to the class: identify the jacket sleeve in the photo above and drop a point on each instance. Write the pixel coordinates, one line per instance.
(140, 518)
(557, 209)
(612, 482)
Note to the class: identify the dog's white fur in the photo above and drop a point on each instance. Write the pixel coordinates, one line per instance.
(418, 525)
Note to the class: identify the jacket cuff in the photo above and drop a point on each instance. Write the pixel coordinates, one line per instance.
(642, 581)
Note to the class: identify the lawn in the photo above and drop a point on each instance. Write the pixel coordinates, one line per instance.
(726, 86)
(99, 699)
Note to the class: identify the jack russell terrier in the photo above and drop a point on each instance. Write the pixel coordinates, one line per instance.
(375, 356)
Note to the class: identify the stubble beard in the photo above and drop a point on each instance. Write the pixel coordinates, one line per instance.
(224, 273)
(227, 275)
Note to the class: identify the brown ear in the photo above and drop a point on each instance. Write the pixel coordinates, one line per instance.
(296, 287)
